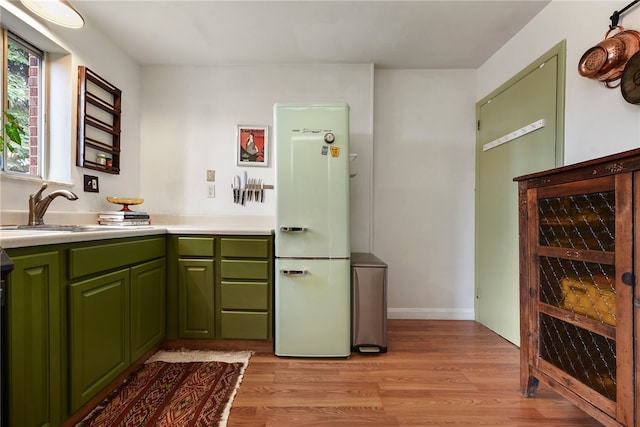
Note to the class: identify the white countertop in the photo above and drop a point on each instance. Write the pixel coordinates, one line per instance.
(17, 238)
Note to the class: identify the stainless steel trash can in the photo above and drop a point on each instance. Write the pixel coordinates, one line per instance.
(369, 303)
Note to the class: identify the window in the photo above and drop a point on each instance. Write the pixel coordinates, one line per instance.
(23, 99)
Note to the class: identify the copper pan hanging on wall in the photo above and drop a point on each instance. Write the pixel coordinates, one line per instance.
(605, 62)
(630, 80)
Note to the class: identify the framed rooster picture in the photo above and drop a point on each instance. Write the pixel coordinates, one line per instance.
(252, 145)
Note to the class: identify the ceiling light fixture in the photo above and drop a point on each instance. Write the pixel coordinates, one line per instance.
(59, 12)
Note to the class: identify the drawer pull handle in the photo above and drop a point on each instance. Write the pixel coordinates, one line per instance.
(293, 272)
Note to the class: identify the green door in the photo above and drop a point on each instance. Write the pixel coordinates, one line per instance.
(530, 102)
(98, 334)
(147, 307)
(33, 342)
(196, 295)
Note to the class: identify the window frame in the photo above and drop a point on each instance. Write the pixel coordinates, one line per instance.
(40, 138)
(59, 118)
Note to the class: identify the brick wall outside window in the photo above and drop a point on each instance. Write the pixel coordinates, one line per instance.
(32, 132)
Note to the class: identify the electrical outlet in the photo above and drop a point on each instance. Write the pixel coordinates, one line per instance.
(211, 175)
(211, 191)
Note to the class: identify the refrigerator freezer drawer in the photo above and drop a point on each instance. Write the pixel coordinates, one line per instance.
(312, 308)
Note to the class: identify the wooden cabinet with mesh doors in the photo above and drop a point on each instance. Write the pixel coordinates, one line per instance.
(577, 284)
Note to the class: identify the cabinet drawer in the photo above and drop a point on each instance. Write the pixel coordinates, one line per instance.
(196, 246)
(244, 248)
(244, 325)
(241, 269)
(102, 257)
(244, 296)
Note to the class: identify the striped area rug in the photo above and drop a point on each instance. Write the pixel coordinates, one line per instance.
(175, 388)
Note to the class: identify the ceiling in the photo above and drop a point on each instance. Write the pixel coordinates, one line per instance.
(389, 34)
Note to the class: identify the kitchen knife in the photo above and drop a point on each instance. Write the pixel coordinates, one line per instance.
(243, 188)
(233, 188)
(256, 190)
(236, 189)
(261, 192)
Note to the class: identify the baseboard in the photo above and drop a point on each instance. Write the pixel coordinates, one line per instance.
(431, 313)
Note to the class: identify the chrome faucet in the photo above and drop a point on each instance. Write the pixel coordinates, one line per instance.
(38, 206)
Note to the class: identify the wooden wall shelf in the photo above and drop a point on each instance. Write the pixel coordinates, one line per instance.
(98, 136)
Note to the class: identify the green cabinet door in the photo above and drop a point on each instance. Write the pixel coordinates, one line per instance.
(34, 340)
(147, 307)
(98, 334)
(195, 298)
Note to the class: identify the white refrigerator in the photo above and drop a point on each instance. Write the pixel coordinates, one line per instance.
(312, 248)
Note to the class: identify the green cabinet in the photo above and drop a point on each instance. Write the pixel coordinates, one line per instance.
(34, 338)
(244, 303)
(196, 287)
(148, 314)
(220, 287)
(115, 316)
(98, 334)
(79, 314)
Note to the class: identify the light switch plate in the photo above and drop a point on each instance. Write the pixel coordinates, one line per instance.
(91, 184)
(211, 175)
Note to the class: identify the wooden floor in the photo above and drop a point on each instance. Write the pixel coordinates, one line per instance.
(436, 373)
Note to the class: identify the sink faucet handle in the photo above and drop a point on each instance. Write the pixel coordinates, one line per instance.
(38, 194)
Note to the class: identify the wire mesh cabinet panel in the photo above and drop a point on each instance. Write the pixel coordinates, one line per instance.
(577, 280)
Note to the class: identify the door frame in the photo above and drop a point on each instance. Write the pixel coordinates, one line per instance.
(559, 50)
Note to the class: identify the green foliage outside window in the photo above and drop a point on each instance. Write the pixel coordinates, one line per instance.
(15, 119)
(14, 132)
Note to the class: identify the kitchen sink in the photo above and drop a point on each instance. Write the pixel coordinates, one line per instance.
(47, 227)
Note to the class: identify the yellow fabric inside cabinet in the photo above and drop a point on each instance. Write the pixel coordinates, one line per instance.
(594, 297)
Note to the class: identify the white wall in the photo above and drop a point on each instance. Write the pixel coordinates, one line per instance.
(598, 121)
(424, 173)
(423, 162)
(189, 124)
(86, 46)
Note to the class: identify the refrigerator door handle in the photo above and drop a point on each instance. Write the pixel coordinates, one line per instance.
(287, 229)
(286, 272)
